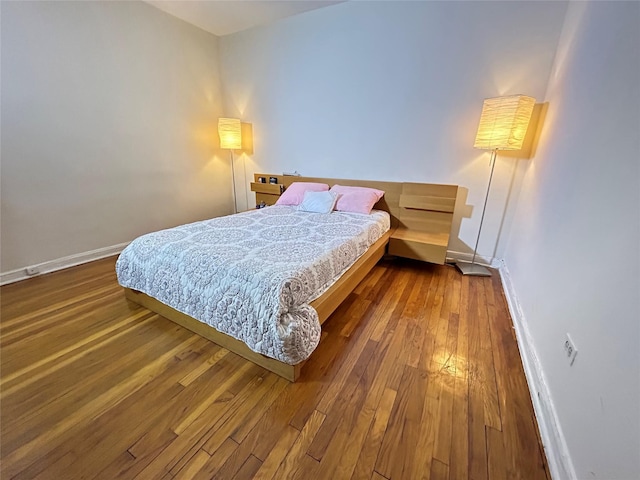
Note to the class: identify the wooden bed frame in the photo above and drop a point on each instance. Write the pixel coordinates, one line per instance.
(325, 305)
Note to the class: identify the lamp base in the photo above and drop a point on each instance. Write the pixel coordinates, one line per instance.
(473, 269)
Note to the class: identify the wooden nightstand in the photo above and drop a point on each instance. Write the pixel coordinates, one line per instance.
(426, 214)
(267, 192)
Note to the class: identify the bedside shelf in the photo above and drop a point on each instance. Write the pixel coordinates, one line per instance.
(425, 218)
(268, 188)
(425, 246)
(440, 239)
(269, 193)
(427, 202)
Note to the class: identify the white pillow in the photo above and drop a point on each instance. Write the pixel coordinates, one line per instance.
(318, 202)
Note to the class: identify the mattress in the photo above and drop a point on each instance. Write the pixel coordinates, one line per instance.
(252, 275)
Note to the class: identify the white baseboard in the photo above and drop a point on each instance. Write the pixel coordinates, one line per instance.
(553, 441)
(61, 263)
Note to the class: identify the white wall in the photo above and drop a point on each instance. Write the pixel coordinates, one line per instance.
(109, 114)
(574, 250)
(391, 91)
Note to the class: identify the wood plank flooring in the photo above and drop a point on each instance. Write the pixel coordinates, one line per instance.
(418, 376)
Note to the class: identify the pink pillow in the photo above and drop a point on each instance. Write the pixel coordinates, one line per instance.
(356, 199)
(294, 193)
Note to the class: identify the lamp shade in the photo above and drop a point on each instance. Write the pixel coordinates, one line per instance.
(504, 122)
(230, 132)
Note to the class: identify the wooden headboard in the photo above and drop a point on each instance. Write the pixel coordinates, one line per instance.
(389, 203)
(421, 213)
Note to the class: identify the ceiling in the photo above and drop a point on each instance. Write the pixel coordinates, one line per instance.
(222, 17)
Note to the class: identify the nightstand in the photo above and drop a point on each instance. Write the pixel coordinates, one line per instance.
(266, 192)
(425, 218)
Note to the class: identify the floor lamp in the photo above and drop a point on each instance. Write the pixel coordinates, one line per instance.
(503, 125)
(230, 132)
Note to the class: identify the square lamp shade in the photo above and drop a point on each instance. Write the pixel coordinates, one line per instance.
(504, 122)
(230, 132)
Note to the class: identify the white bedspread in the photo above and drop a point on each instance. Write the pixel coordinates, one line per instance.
(252, 275)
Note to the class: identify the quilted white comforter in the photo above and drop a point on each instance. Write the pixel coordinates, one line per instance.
(252, 275)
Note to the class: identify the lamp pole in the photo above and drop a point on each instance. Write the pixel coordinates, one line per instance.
(486, 198)
(472, 268)
(233, 181)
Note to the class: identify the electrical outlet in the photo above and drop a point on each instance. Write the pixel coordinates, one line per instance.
(31, 271)
(570, 350)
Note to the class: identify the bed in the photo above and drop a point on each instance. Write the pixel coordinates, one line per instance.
(268, 278)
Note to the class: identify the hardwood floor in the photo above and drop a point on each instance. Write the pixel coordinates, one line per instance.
(418, 376)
